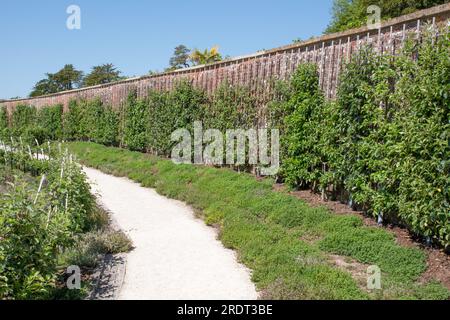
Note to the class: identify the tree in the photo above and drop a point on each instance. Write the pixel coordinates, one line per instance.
(102, 74)
(180, 58)
(67, 78)
(348, 14)
(154, 72)
(206, 56)
(44, 86)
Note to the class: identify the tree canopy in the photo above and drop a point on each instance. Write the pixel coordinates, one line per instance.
(206, 56)
(183, 57)
(180, 58)
(67, 78)
(102, 74)
(348, 14)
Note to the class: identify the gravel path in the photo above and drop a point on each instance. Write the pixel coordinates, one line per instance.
(176, 256)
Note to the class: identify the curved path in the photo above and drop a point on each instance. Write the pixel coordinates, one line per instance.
(176, 256)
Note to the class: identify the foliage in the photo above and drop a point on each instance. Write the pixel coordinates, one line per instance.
(348, 14)
(418, 139)
(44, 87)
(35, 223)
(206, 56)
(4, 125)
(93, 121)
(73, 122)
(89, 246)
(180, 58)
(383, 144)
(23, 117)
(67, 78)
(231, 108)
(301, 128)
(102, 74)
(136, 123)
(358, 121)
(173, 110)
(99, 123)
(150, 122)
(50, 118)
(33, 125)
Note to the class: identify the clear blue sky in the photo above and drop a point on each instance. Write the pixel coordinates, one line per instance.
(138, 36)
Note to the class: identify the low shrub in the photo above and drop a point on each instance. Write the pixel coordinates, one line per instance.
(90, 247)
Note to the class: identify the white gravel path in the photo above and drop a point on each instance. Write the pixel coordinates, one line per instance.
(176, 255)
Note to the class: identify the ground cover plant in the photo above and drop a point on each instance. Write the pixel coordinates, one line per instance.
(272, 231)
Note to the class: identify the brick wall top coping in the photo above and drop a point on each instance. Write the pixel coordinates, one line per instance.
(418, 15)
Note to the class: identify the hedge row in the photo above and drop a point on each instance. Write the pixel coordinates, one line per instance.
(382, 145)
(30, 124)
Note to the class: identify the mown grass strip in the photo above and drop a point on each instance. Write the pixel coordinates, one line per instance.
(266, 228)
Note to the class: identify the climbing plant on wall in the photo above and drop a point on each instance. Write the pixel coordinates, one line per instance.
(136, 123)
(419, 137)
(384, 143)
(302, 116)
(105, 120)
(50, 119)
(173, 110)
(4, 131)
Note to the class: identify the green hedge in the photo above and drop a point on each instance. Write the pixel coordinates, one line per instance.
(37, 125)
(91, 121)
(23, 119)
(137, 124)
(169, 111)
(50, 119)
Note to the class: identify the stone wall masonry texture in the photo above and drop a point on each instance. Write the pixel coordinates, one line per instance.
(258, 71)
